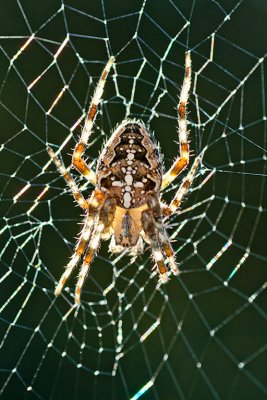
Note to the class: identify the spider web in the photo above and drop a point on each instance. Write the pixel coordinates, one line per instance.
(203, 335)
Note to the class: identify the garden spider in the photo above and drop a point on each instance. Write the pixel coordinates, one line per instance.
(125, 205)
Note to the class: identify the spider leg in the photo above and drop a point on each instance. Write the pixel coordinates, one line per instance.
(95, 200)
(149, 227)
(92, 248)
(187, 181)
(70, 181)
(105, 214)
(77, 159)
(154, 205)
(75, 258)
(181, 162)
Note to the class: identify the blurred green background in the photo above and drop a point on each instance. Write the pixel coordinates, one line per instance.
(210, 342)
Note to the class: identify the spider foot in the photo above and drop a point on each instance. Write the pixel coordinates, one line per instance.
(68, 270)
(163, 278)
(81, 278)
(173, 266)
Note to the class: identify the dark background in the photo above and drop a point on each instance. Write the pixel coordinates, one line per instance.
(211, 338)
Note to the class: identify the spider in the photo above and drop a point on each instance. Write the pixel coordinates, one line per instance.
(125, 204)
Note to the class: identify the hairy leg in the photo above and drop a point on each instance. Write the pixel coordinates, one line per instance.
(77, 159)
(105, 217)
(94, 202)
(182, 161)
(154, 205)
(149, 227)
(183, 188)
(69, 180)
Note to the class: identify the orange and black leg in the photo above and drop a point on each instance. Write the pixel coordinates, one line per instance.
(154, 205)
(94, 203)
(77, 159)
(182, 161)
(182, 190)
(105, 215)
(69, 180)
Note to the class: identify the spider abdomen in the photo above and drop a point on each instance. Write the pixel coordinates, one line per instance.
(129, 166)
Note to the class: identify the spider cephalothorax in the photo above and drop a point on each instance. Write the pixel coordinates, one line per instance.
(125, 205)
